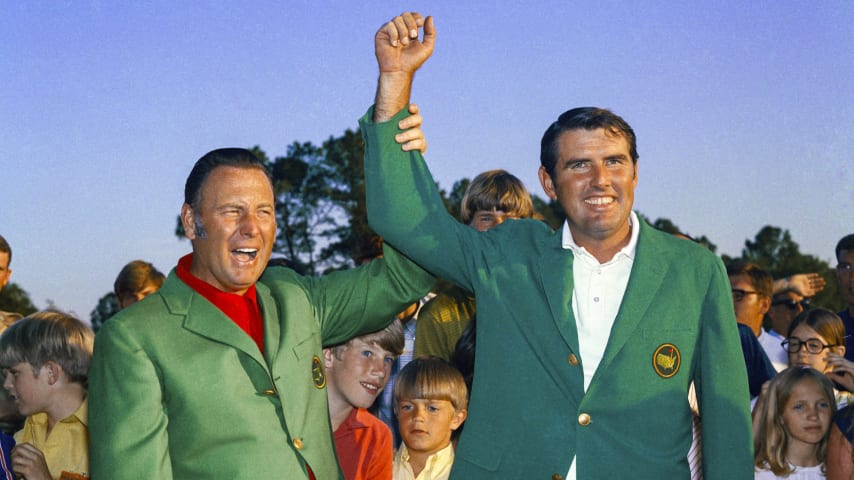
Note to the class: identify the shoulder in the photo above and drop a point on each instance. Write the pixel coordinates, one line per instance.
(153, 311)
(369, 420)
(655, 246)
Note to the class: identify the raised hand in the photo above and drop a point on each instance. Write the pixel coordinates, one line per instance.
(842, 370)
(399, 54)
(397, 46)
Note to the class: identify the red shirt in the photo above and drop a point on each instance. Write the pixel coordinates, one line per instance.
(241, 309)
(364, 447)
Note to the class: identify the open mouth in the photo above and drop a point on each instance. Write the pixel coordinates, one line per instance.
(599, 201)
(245, 254)
(370, 386)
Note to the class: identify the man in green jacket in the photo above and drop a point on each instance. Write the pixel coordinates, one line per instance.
(219, 374)
(589, 337)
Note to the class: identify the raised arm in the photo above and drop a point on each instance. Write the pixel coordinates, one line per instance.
(400, 53)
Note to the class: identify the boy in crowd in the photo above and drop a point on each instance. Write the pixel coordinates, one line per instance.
(45, 359)
(356, 373)
(137, 280)
(430, 401)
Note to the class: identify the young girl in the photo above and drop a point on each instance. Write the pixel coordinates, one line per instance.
(816, 337)
(794, 420)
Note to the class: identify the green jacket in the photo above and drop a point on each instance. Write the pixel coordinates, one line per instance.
(177, 390)
(529, 413)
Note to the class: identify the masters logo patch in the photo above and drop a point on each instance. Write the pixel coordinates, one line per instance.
(317, 373)
(666, 360)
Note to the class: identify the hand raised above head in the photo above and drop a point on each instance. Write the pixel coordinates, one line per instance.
(397, 47)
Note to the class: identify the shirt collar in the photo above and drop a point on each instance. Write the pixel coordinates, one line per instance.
(213, 294)
(432, 459)
(80, 415)
(568, 243)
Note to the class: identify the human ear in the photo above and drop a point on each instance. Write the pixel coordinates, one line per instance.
(328, 358)
(764, 304)
(53, 371)
(187, 221)
(547, 183)
(459, 418)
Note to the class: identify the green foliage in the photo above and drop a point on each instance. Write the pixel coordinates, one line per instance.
(108, 306)
(15, 299)
(666, 225)
(774, 250)
(320, 210)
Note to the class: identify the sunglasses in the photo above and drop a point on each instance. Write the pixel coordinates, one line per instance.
(792, 304)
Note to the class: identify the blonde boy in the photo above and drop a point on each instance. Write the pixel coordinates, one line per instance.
(356, 373)
(430, 401)
(45, 359)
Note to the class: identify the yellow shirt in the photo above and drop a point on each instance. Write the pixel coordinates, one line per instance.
(66, 450)
(438, 465)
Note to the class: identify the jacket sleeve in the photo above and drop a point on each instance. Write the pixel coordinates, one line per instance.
(722, 387)
(127, 422)
(405, 208)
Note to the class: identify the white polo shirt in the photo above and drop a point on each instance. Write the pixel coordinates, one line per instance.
(596, 297)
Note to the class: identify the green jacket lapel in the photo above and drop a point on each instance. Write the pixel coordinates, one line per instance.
(646, 278)
(203, 318)
(556, 271)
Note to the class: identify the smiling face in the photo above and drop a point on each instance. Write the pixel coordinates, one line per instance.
(234, 228)
(426, 425)
(594, 181)
(357, 373)
(807, 414)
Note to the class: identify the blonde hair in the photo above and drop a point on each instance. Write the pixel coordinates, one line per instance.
(389, 339)
(496, 190)
(431, 378)
(49, 335)
(771, 441)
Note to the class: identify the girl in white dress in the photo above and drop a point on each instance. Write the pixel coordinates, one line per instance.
(794, 421)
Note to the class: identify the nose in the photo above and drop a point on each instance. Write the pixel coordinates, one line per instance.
(7, 381)
(418, 413)
(249, 225)
(812, 412)
(379, 367)
(601, 176)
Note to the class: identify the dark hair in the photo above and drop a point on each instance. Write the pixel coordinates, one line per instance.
(845, 243)
(221, 157)
(586, 118)
(5, 248)
(824, 322)
(135, 276)
(761, 280)
(368, 247)
(463, 356)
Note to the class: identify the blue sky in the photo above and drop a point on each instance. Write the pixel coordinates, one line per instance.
(744, 111)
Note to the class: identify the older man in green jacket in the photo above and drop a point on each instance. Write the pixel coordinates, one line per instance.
(219, 374)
